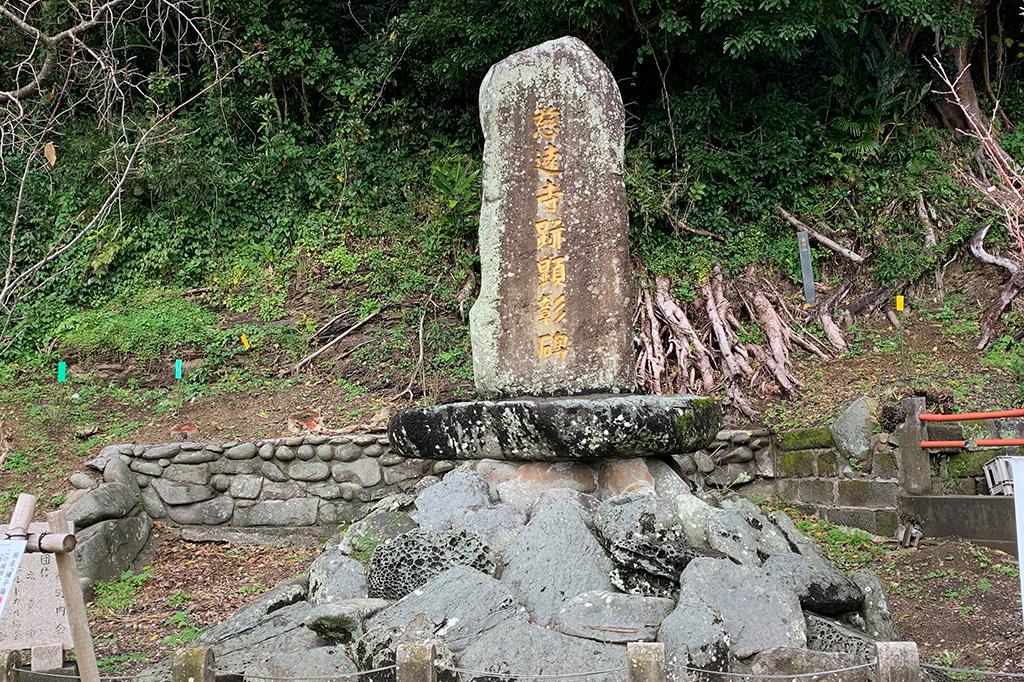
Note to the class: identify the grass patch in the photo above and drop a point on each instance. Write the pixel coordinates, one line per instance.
(119, 663)
(121, 594)
(145, 326)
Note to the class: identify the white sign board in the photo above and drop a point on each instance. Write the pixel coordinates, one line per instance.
(11, 552)
(35, 613)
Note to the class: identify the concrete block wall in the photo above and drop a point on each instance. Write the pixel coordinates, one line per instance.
(817, 478)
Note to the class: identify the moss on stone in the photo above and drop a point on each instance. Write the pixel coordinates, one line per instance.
(806, 439)
(828, 463)
(797, 464)
(965, 464)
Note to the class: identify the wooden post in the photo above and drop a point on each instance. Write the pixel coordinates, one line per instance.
(897, 662)
(415, 662)
(71, 585)
(194, 664)
(9, 662)
(915, 467)
(24, 509)
(645, 661)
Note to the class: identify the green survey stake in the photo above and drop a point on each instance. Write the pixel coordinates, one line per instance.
(177, 368)
(62, 372)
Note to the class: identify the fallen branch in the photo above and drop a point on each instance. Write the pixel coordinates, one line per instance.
(819, 237)
(679, 224)
(330, 344)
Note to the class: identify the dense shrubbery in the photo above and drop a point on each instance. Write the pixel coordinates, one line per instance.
(344, 147)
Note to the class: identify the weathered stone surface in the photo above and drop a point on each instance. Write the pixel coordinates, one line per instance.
(556, 428)
(694, 636)
(148, 468)
(108, 501)
(174, 493)
(524, 484)
(730, 534)
(342, 622)
(285, 490)
(770, 539)
(612, 617)
(821, 587)
(309, 471)
(234, 467)
(538, 565)
(82, 481)
(405, 562)
(272, 472)
(516, 649)
(207, 513)
(620, 515)
(828, 635)
(459, 492)
(876, 617)
(197, 456)
(315, 663)
(246, 487)
(388, 519)
(270, 632)
(161, 451)
(198, 474)
(649, 559)
(804, 662)
(758, 612)
(151, 503)
(107, 548)
(852, 431)
(242, 451)
(464, 602)
(624, 476)
(553, 125)
(284, 453)
(117, 471)
(326, 490)
(365, 470)
(301, 511)
(334, 577)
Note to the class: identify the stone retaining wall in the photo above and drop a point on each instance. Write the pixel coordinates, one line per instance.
(294, 481)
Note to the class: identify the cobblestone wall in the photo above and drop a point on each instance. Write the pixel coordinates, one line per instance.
(293, 481)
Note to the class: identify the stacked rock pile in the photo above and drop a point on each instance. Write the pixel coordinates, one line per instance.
(557, 582)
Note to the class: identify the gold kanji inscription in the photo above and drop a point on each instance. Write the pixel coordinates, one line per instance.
(548, 125)
(549, 196)
(551, 309)
(556, 344)
(549, 233)
(549, 159)
(551, 271)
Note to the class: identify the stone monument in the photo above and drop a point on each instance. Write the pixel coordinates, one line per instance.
(554, 313)
(552, 330)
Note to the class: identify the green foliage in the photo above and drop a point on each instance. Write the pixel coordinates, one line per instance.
(121, 594)
(145, 325)
(340, 159)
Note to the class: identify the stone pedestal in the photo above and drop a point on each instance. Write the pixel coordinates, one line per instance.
(557, 429)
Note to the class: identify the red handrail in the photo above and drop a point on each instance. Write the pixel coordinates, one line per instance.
(981, 443)
(970, 416)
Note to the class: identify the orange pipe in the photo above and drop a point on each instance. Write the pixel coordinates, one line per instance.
(970, 416)
(982, 443)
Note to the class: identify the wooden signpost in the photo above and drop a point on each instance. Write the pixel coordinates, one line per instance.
(35, 618)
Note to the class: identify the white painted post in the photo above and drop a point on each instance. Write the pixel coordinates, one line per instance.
(1017, 467)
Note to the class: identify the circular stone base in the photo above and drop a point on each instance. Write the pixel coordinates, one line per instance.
(554, 429)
